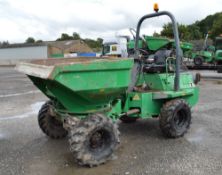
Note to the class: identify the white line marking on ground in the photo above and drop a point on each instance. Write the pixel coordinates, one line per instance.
(34, 110)
(18, 94)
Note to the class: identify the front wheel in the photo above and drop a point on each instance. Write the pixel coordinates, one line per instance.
(198, 61)
(94, 140)
(175, 118)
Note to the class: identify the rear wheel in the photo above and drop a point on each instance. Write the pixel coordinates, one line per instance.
(175, 118)
(94, 140)
(49, 124)
(198, 61)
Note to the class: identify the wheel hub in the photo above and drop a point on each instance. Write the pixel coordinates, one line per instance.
(97, 140)
(180, 118)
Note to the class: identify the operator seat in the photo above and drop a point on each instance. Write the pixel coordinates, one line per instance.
(159, 64)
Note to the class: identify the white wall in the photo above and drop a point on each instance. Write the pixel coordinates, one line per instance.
(36, 52)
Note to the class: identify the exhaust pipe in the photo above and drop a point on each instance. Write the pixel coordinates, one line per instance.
(130, 112)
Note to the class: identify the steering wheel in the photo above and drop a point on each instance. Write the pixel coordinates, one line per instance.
(143, 53)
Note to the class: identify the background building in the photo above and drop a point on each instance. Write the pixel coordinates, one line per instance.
(14, 52)
(66, 48)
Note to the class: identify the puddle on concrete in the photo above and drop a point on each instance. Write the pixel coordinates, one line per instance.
(35, 107)
(2, 136)
(196, 136)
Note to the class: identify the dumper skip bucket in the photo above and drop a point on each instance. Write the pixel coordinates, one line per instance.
(80, 85)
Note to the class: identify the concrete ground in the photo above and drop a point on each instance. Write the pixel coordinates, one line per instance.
(25, 150)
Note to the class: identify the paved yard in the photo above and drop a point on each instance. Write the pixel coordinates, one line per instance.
(25, 150)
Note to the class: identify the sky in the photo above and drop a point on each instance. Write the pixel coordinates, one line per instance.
(47, 19)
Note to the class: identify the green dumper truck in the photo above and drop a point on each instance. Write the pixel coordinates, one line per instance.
(87, 97)
(150, 45)
(209, 54)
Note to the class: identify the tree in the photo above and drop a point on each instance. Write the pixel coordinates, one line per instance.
(90, 42)
(155, 34)
(211, 24)
(39, 41)
(167, 30)
(64, 36)
(186, 33)
(206, 24)
(99, 42)
(30, 40)
(217, 27)
(194, 32)
(5, 43)
(76, 36)
(96, 45)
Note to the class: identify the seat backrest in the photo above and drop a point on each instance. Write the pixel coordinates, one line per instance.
(161, 56)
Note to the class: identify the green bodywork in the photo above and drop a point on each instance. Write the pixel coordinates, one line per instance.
(131, 44)
(59, 55)
(218, 47)
(208, 56)
(86, 85)
(218, 55)
(154, 44)
(82, 86)
(213, 54)
(162, 89)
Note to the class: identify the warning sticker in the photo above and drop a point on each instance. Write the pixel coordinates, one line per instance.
(136, 97)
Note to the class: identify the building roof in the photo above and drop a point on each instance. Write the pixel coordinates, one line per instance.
(63, 45)
(70, 46)
(19, 45)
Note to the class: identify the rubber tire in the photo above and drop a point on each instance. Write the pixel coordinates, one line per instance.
(198, 61)
(79, 140)
(219, 70)
(197, 78)
(168, 113)
(48, 124)
(126, 119)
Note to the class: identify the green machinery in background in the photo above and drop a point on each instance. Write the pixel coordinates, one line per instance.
(150, 45)
(209, 54)
(88, 96)
(121, 46)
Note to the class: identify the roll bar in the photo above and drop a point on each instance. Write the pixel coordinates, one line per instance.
(179, 54)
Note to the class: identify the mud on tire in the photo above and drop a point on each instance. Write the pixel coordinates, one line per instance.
(175, 118)
(49, 124)
(94, 140)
